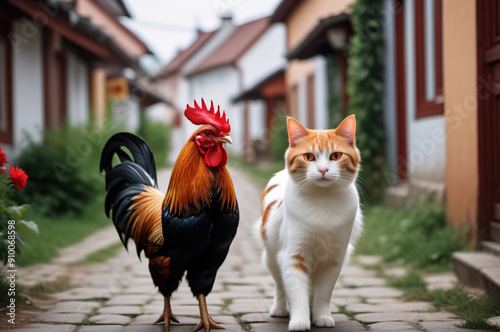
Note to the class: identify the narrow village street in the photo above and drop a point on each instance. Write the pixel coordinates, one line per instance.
(118, 295)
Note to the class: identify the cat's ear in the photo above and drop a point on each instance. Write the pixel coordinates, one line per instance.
(295, 131)
(347, 129)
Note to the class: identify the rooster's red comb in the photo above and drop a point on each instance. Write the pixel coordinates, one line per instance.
(202, 115)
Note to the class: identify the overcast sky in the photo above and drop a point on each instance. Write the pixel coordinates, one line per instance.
(167, 26)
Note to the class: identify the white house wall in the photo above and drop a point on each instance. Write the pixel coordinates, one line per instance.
(77, 89)
(256, 117)
(134, 114)
(426, 137)
(321, 93)
(28, 99)
(302, 100)
(264, 57)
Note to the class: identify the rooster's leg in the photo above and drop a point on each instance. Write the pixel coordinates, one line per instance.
(206, 321)
(167, 314)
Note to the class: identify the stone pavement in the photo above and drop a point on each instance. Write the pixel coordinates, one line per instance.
(119, 296)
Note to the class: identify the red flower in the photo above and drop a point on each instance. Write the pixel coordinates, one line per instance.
(3, 158)
(18, 176)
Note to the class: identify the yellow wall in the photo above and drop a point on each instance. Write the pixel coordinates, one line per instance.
(307, 14)
(98, 94)
(460, 92)
(300, 22)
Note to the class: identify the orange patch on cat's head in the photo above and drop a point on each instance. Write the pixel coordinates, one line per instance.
(303, 140)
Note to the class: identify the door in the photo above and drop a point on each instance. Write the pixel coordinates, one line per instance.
(488, 56)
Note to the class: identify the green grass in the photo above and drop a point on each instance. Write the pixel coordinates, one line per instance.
(413, 286)
(51, 287)
(260, 173)
(472, 310)
(418, 237)
(101, 255)
(61, 231)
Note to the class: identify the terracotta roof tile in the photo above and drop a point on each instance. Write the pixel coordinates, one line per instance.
(234, 46)
(174, 65)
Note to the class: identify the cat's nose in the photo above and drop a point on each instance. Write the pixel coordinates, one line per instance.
(323, 170)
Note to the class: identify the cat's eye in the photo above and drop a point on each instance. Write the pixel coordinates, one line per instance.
(336, 156)
(309, 157)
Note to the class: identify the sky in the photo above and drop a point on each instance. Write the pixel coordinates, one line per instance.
(168, 26)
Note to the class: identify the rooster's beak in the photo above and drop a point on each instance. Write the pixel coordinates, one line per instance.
(224, 139)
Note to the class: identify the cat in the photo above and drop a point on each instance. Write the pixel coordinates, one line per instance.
(311, 219)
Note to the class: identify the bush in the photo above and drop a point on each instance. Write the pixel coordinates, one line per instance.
(418, 236)
(64, 170)
(365, 86)
(12, 223)
(279, 138)
(157, 135)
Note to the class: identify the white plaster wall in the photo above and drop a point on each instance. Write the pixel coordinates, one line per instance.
(160, 112)
(302, 100)
(219, 85)
(77, 90)
(390, 115)
(256, 116)
(264, 57)
(127, 113)
(320, 93)
(426, 141)
(28, 99)
(133, 115)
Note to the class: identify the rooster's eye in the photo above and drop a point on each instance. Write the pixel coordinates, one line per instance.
(207, 133)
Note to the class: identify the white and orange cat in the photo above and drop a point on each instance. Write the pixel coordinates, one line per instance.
(311, 219)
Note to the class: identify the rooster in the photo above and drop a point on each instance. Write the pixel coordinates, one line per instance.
(190, 228)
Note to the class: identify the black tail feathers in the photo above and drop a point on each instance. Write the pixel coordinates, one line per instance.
(126, 179)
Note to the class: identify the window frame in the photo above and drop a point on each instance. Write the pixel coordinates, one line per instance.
(424, 107)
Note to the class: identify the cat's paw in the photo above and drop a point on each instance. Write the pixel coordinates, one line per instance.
(278, 311)
(299, 325)
(324, 321)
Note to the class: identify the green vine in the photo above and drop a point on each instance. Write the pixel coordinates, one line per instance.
(335, 104)
(365, 87)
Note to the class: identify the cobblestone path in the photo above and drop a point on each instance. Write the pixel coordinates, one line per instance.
(119, 296)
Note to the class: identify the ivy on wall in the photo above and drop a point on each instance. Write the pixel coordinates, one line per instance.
(335, 104)
(365, 82)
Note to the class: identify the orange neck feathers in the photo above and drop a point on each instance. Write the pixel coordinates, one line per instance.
(192, 182)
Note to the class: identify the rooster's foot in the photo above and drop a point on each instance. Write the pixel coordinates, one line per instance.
(206, 321)
(167, 312)
(208, 324)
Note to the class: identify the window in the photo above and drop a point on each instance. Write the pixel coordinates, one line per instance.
(429, 57)
(5, 83)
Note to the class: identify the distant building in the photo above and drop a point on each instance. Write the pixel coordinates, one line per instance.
(219, 66)
(317, 34)
(58, 62)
